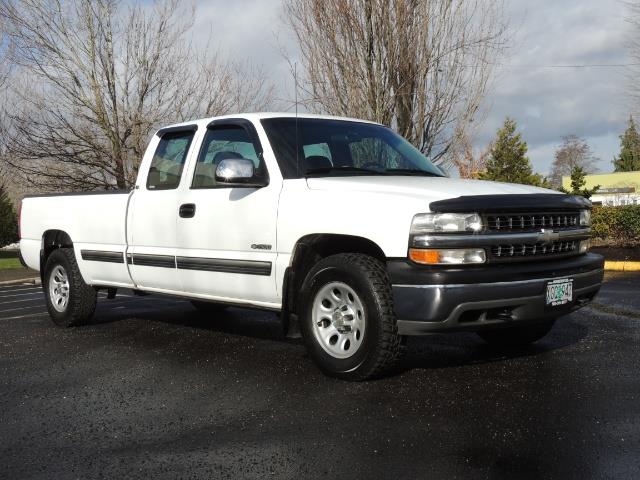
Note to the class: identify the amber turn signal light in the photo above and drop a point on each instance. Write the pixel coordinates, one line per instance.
(419, 255)
(453, 256)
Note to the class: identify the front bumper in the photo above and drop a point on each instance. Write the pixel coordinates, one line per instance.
(437, 299)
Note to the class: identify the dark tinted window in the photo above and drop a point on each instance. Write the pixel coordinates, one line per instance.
(168, 161)
(220, 143)
(326, 147)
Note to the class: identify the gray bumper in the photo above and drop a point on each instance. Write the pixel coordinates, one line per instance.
(439, 307)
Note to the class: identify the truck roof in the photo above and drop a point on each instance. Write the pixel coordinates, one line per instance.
(256, 116)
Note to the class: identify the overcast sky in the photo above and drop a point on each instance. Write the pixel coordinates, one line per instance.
(546, 102)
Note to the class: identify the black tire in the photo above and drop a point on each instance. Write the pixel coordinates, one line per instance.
(381, 347)
(517, 336)
(82, 298)
(208, 307)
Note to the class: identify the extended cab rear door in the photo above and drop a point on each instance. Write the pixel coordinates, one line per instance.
(155, 208)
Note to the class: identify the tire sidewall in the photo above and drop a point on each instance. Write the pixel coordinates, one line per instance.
(57, 257)
(353, 276)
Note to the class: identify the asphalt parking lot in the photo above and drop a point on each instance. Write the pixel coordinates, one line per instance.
(154, 389)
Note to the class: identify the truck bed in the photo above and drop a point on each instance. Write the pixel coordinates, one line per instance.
(94, 221)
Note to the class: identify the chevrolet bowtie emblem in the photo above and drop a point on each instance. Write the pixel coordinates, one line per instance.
(548, 236)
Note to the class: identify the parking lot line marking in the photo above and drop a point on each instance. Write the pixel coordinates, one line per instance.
(19, 295)
(21, 301)
(13, 290)
(31, 315)
(20, 287)
(36, 305)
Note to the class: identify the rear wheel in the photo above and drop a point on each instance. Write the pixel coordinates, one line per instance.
(517, 336)
(70, 301)
(347, 317)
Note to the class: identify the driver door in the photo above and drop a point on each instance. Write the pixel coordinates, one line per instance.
(227, 249)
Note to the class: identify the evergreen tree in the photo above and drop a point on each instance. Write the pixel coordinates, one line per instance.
(629, 159)
(578, 182)
(508, 161)
(8, 219)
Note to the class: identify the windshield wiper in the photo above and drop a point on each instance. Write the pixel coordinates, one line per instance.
(345, 168)
(413, 171)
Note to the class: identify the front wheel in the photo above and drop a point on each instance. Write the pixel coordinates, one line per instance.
(517, 336)
(347, 317)
(70, 301)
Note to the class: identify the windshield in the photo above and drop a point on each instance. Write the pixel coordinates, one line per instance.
(340, 147)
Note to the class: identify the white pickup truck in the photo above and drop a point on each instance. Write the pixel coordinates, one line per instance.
(340, 225)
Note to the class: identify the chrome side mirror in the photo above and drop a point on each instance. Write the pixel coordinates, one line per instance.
(238, 172)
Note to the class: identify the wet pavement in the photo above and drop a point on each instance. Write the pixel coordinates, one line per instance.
(155, 390)
(620, 293)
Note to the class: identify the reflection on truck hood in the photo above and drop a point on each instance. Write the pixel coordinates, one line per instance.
(431, 188)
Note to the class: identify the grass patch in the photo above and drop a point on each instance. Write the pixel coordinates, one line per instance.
(9, 260)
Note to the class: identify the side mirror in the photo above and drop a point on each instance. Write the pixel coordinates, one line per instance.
(238, 172)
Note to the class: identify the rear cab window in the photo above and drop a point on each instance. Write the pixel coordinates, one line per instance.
(168, 160)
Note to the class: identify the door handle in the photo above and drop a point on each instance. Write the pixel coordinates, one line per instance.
(187, 210)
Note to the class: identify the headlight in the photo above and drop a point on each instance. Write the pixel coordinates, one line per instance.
(585, 218)
(445, 222)
(451, 256)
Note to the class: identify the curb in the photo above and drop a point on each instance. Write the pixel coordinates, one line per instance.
(621, 266)
(21, 281)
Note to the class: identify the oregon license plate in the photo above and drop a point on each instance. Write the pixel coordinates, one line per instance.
(559, 292)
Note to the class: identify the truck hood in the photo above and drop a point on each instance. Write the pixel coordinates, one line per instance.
(427, 188)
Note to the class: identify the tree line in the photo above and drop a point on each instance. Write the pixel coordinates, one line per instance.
(90, 80)
(506, 160)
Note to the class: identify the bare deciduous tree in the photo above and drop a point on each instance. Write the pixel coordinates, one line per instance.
(470, 164)
(104, 75)
(422, 66)
(573, 152)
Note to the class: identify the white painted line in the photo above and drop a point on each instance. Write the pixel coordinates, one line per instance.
(19, 295)
(25, 316)
(21, 308)
(20, 285)
(22, 301)
(21, 281)
(25, 289)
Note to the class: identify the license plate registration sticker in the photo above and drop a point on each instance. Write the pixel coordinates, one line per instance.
(559, 292)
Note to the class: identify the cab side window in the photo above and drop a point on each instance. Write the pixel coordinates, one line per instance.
(168, 161)
(222, 143)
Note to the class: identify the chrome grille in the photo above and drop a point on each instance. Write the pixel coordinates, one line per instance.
(531, 221)
(521, 250)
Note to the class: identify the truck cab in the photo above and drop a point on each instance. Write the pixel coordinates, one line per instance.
(339, 225)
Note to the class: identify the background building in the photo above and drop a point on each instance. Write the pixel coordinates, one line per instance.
(622, 188)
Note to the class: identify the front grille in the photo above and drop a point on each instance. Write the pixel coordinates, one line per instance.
(523, 222)
(522, 250)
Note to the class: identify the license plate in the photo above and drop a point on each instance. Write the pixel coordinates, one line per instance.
(559, 292)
